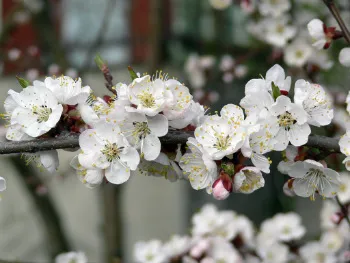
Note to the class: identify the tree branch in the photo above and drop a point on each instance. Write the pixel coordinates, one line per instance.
(335, 12)
(344, 210)
(174, 137)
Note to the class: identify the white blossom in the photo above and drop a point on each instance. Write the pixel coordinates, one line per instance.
(223, 251)
(248, 179)
(276, 253)
(67, 90)
(291, 120)
(177, 246)
(37, 109)
(149, 96)
(284, 227)
(274, 7)
(221, 136)
(211, 222)
(104, 147)
(317, 31)
(315, 101)
(277, 32)
(198, 165)
(311, 177)
(182, 100)
(314, 252)
(143, 131)
(149, 252)
(297, 53)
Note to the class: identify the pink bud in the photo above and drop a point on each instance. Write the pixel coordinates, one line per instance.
(222, 187)
(336, 218)
(198, 250)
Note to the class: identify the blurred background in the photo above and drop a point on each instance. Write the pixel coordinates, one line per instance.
(210, 50)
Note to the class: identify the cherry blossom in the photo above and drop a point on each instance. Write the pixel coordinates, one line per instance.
(104, 147)
(36, 111)
(311, 177)
(198, 166)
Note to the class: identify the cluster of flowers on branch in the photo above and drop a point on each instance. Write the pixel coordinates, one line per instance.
(121, 135)
(225, 236)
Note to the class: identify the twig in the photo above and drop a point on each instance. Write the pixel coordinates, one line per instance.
(324, 143)
(344, 210)
(335, 12)
(174, 137)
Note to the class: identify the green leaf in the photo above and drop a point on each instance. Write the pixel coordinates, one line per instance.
(132, 73)
(23, 82)
(275, 91)
(99, 61)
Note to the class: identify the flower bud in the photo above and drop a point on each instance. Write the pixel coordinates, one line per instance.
(222, 187)
(336, 218)
(198, 250)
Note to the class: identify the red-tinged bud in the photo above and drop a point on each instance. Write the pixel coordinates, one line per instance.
(284, 92)
(336, 218)
(288, 188)
(65, 109)
(107, 98)
(222, 187)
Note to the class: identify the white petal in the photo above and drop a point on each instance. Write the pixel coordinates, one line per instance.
(158, 125)
(344, 57)
(276, 74)
(130, 157)
(281, 140)
(49, 160)
(299, 134)
(281, 105)
(151, 147)
(2, 184)
(117, 174)
(298, 170)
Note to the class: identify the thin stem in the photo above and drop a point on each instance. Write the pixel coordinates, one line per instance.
(344, 210)
(336, 14)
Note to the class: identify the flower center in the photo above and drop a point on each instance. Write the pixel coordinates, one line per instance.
(141, 129)
(299, 54)
(223, 142)
(111, 151)
(274, 2)
(286, 120)
(43, 113)
(147, 100)
(280, 29)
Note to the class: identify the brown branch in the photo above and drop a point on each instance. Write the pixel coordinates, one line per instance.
(344, 210)
(336, 14)
(174, 137)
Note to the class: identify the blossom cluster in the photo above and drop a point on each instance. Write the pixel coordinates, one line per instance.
(225, 236)
(120, 135)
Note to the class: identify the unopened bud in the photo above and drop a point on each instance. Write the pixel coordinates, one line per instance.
(222, 187)
(199, 249)
(336, 218)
